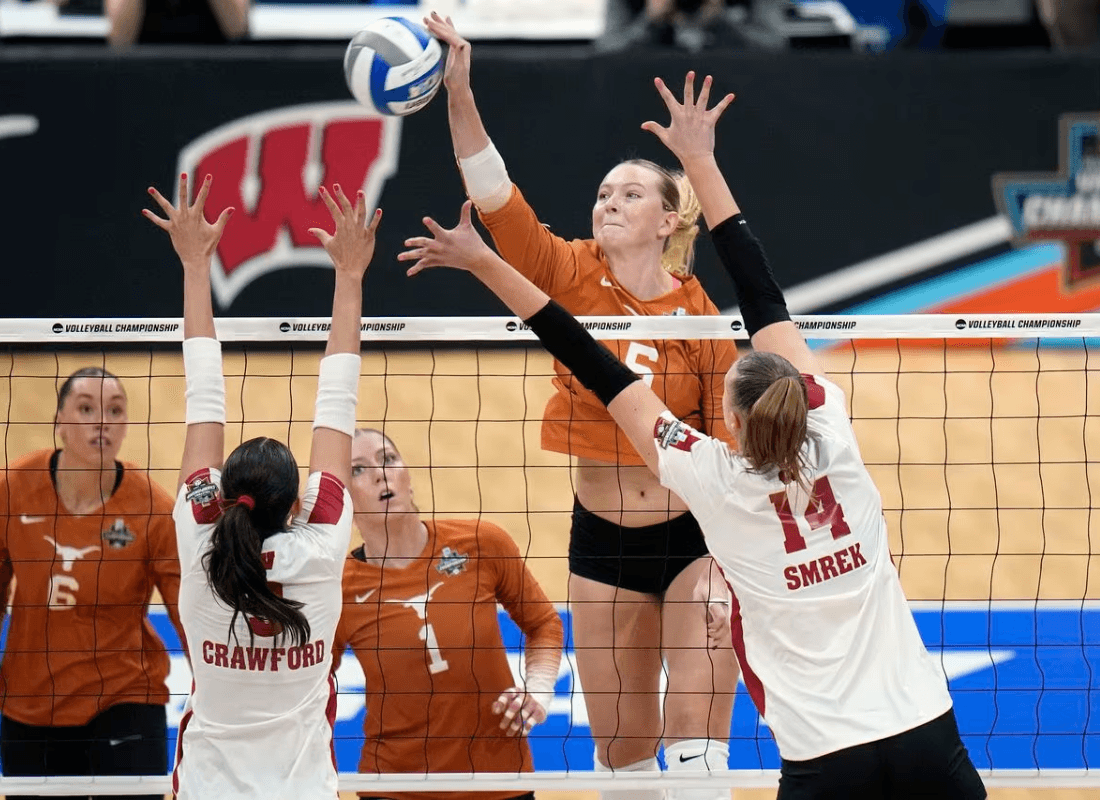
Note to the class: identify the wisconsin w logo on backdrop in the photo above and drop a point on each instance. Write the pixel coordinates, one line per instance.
(268, 167)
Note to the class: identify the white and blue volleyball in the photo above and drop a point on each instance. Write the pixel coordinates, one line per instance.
(394, 66)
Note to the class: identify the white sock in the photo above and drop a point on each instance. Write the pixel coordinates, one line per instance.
(648, 765)
(698, 755)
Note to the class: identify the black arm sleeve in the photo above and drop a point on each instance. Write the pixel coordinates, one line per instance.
(758, 295)
(591, 363)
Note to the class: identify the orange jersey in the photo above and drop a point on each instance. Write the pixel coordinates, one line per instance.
(686, 374)
(79, 639)
(429, 643)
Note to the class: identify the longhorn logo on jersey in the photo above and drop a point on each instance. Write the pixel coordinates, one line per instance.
(1061, 206)
(268, 166)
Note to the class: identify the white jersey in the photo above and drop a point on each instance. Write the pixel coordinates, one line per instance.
(258, 723)
(828, 647)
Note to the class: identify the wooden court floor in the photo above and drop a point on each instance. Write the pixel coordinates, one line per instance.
(985, 456)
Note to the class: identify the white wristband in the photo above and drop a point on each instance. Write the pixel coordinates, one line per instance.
(202, 367)
(337, 393)
(539, 683)
(486, 178)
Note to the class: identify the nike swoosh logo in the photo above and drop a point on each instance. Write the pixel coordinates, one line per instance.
(690, 758)
(605, 282)
(359, 598)
(134, 737)
(30, 520)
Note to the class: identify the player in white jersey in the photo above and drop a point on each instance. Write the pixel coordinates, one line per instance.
(260, 592)
(828, 648)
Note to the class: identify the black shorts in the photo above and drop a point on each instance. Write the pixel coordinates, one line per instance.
(643, 559)
(127, 739)
(928, 761)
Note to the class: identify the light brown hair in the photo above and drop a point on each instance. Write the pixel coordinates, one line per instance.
(771, 397)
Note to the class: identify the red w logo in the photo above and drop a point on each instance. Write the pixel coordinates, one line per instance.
(269, 165)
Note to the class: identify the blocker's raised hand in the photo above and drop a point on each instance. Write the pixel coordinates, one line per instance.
(351, 247)
(193, 238)
(456, 72)
(460, 247)
(690, 132)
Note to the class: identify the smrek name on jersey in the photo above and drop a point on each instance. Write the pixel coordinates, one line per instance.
(825, 568)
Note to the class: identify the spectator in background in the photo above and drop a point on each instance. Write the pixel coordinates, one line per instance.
(688, 24)
(176, 21)
(1072, 24)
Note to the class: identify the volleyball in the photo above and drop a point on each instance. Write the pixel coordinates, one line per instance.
(393, 66)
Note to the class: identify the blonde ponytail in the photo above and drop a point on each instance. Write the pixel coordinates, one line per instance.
(679, 255)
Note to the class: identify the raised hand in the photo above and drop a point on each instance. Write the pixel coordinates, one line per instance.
(456, 73)
(460, 247)
(519, 711)
(690, 133)
(351, 247)
(193, 238)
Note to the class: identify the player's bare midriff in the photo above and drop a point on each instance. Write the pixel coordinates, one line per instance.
(626, 495)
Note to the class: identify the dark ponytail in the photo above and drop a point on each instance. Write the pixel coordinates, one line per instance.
(264, 472)
(771, 397)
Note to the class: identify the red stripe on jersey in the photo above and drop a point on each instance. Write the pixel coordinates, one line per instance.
(737, 633)
(179, 748)
(204, 496)
(330, 501)
(330, 715)
(815, 392)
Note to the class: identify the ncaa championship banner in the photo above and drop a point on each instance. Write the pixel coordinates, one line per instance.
(914, 183)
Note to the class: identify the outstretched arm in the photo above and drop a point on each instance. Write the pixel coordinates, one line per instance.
(483, 170)
(690, 137)
(633, 405)
(195, 241)
(351, 248)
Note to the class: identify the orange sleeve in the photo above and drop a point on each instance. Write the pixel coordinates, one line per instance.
(6, 569)
(521, 595)
(716, 356)
(543, 258)
(339, 644)
(166, 562)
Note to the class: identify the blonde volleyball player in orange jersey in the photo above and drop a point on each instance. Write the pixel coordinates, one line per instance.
(86, 538)
(640, 575)
(420, 614)
(831, 655)
(261, 567)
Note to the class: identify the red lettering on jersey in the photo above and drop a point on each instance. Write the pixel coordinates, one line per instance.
(276, 652)
(815, 392)
(221, 655)
(823, 510)
(263, 627)
(294, 657)
(809, 573)
(329, 504)
(825, 568)
(257, 658)
(237, 661)
(208, 651)
(319, 646)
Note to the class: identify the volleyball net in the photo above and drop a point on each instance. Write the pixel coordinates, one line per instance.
(980, 431)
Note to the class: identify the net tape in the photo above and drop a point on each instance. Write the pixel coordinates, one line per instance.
(511, 329)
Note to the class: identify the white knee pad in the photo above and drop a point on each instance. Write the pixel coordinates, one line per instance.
(648, 765)
(698, 755)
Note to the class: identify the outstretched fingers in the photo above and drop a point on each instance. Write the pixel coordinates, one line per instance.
(161, 201)
(204, 190)
(689, 88)
(163, 224)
